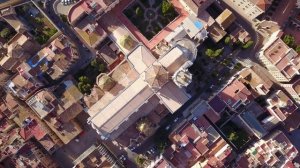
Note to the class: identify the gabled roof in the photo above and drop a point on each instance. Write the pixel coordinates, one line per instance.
(32, 130)
(263, 4)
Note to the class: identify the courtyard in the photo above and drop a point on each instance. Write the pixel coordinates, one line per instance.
(162, 31)
(150, 16)
(39, 24)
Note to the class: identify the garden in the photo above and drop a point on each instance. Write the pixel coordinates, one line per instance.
(236, 135)
(6, 31)
(40, 26)
(150, 17)
(86, 77)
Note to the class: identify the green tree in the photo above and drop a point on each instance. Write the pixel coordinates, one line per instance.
(64, 18)
(84, 84)
(94, 63)
(289, 40)
(101, 67)
(141, 160)
(5, 33)
(165, 7)
(84, 87)
(297, 49)
(39, 20)
(42, 38)
(51, 32)
(161, 146)
(84, 79)
(248, 44)
(227, 40)
(209, 52)
(238, 66)
(139, 12)
(218, 52)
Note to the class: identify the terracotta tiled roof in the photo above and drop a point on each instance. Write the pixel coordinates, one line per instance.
(32, 130)
(212, 115)
(201, 147)
(191, 131)
(262, 4)
(234, 92)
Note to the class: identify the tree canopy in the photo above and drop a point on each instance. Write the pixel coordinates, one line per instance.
(227, 40)
(97, 65)
(165, 7)
(297, 49)
(248, 44)
(84, 84)
(138, 12)
(289, 40)
(5, 33)
(213, 53)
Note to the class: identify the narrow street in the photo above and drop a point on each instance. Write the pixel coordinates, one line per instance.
(85, 53)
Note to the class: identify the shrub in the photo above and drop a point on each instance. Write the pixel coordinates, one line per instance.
(166, 7)
(38, 20)
(64, 18)
(227, 40)
(297, 49)
(212, 54)
(84, 79)
(238, 66)
(5, 33)
(42, 38)
(84, 87)
(50, 32)
(209, 52)
(138, 12)
(289, 40)
(84, 84)
(248, 44)
(97, 65)
(218, 52)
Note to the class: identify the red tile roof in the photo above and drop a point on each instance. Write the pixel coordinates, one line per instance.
(234, 92)
(263, 4)
(202, 148)
(202, 123)
(212, 115)
(276, 51)
(32, 130)
(194, 152)
(191, 131)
